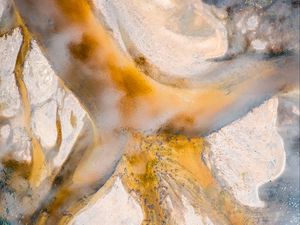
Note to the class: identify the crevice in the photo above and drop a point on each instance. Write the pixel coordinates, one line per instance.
(38, 158)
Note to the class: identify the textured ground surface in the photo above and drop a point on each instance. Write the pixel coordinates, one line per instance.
(255, 158)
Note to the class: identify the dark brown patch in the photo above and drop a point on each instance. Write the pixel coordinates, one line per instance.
(85, 49)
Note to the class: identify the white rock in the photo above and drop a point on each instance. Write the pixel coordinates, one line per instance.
(259, 44)
(166, 4)
(116, 207)
(45, 97)
(39, 77)
(9, 94)
(191, 217)
(178, 40)
(249, 152)
(4, 132)
(72, 120)
(44, 124)
(21, 145)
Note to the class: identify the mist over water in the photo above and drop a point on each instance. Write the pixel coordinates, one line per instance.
(150, 81)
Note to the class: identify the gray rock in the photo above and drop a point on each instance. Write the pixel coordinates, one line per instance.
(7, 16)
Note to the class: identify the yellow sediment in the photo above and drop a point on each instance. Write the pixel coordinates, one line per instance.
(154, 162)
(151, 162)
(38, 168)
(96, 51)
(59, 131)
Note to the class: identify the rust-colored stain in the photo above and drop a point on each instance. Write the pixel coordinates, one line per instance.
(157, 167)
(160, 165)
(153, 167)
(38, 168)
(85, 49)
(159, 160)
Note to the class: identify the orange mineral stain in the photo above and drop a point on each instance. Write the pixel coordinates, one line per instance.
(174, 163)
(153, 167)
(38, 168)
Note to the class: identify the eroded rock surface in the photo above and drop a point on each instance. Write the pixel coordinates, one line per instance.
(282, 195)
(243, 155)
(9, 95)
(116, 207)
(39, 77)
(57, 120)
(189, 30)
(249, 152)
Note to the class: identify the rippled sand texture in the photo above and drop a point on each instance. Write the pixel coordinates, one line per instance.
(146, 98)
